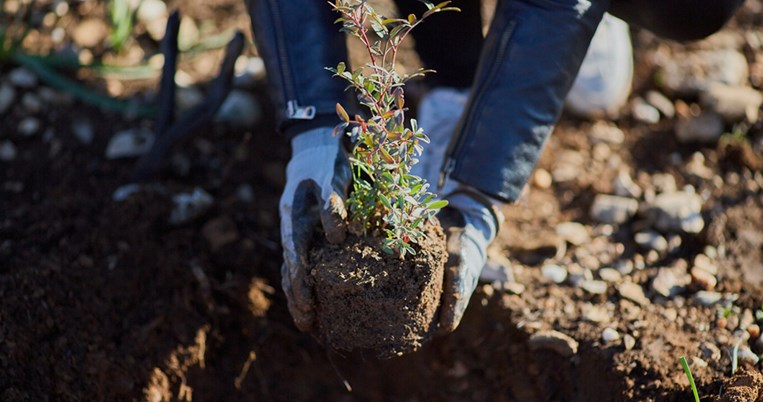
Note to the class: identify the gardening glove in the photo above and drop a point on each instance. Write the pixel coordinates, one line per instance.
(470, 222)
(317, 177)
(438, 114)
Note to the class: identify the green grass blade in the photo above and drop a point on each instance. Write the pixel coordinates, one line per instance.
(685, 365)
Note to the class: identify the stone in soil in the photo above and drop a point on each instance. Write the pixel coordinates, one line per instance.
(613, 209)
(676, 212)
(689, 73)
(609, 335)
(554, 273)
(29, 126)
(7, 97)
(604, 132)
(669, 282)
(83, 131)
(129, 143)
(707, 298)
(189, 206)
(633, 292)
(651, 240)
(625, 187)
(662, 103)
(369, 299)
(707, 127)
(240, 109)
(7, 151)
(22, 78)
(554, 341)
(573, 232)
(733, 103)
(644, 112)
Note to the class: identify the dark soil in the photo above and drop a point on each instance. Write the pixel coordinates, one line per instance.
(744, 386)
(369, 299)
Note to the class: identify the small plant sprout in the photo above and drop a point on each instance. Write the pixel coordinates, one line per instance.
(693, 386)
(385, 195)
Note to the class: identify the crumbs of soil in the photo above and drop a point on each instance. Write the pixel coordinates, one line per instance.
(370, 299)
(744, 386)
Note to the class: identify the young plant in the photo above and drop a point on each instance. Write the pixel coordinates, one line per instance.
(385, 195)
(693, 386)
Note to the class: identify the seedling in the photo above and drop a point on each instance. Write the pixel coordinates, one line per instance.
(385, 195)
(693, 386)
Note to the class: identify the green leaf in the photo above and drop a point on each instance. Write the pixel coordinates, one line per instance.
(385, 201)
(439, 204)
(340, 68)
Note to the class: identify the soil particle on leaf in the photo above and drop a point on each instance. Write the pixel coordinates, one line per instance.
(369, 299)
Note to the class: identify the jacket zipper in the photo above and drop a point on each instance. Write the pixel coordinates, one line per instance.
(453, 152)
(293, 108)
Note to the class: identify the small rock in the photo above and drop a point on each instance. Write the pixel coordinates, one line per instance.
(187, 97)
(703, 280)
(7, 97)
(595, 313)
(609, 335)
(83, 131)
(747, 356)
(554, 341)
(573, 232)
(567, 166)
(240, 109)
(707, 298)
(625, 267)
(662, 103)
(688, 73)
(696, 167)
(754, 331)
(697, 363)
(249, 71)
(90, 32)
(153, 14)
(22, 78)
(710, 351)
(514, 288)
(669, 282)
(633, 292)
(604, 132)
(29, 126)
(245, 193)
(188, 34)
(189, 206)
(124, 192)
(610, 275)
(594, 287)
(676, 212)
(644, 112)
(31, 102)
(554, 272)
(629, 342)
(220, 232)
(733, 103)
(625, 187)
(707, 127)
(651, 240)
(7, 151)
(542, 178)
(664, 183)
(613, 209)
(129, 143)
(601, 152)
(497, 268)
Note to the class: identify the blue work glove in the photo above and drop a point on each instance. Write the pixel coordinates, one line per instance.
(470, 222)
(317, 177)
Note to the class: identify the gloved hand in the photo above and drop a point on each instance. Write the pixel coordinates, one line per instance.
(470, 222)
(317, 177)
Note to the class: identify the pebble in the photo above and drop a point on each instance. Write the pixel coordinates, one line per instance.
(609, 274)
(573, 232)
(542, 178)
(31, 102)
(220, 232)
(128, 143)
(644, 112)
(707, 127)
(83, 131)
(747, 356)
(707, 298)
(554, 272)
(595, 313)
(651, 240)
(664, 182)
(187, 97)
(497, 269)
(662, 103)
(567, 166)
(669, 282)
(514, 288)
(625, 267)
(688, 73)
(153, 14)
(29, 126)
(702, 279)
(22, 78)
(746, 319)
(696, 167)
(239, 109)
(629, 341)
(609, 335)
(7, 97)
(733, 103)
(625, 186)
(676, 212)
(613, 209)
(189, 206)
(633, 292)
(7, 151)
(754, 331)
(604, 132)
(245, 193)
(594, 287)
(697, 363)
(710, 351)
(554, 341)
(90, 32)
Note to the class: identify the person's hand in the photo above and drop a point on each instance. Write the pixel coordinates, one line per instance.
(316, 183)
(470, 222)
